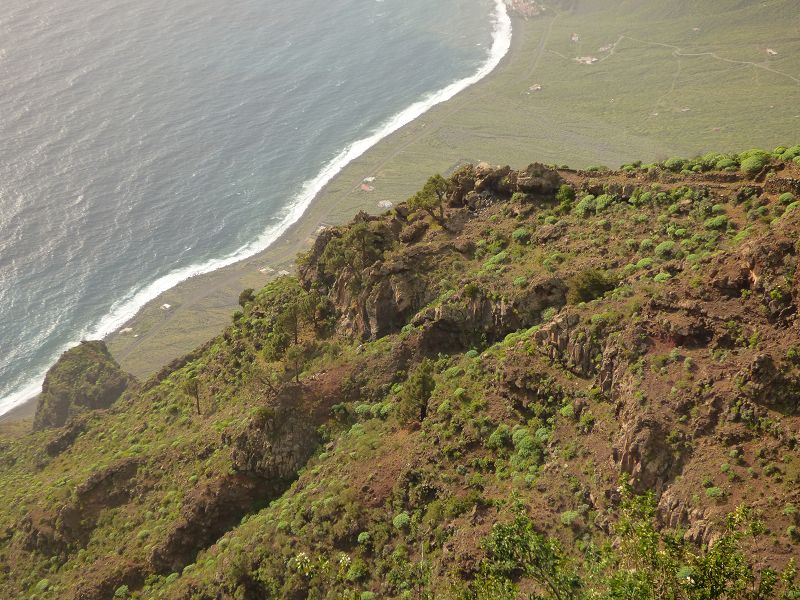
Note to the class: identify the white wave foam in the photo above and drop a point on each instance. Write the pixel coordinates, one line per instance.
(123, 310)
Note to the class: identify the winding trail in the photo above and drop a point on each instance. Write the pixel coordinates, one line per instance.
(678, 52)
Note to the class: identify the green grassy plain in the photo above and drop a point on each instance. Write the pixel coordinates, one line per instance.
(682, 78)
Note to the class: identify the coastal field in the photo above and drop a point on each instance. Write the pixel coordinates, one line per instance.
(664, 78)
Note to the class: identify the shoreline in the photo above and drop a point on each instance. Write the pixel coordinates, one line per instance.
(125, 314)
(537, 105)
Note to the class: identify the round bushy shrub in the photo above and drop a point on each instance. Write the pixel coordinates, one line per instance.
(791, 153)
(753, 164)
(521, 235)
(586, 205)
(717, 223)
(726, 164)
(786, 199)
(675, 164)
(645, 263)
(665, 249)
(401, 520)
(753, 161)
(602, 202)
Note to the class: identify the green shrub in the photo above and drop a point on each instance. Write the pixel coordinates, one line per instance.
(717, 223)
(500, 438)
(786, 199)
(494, 261)
(519, 197)
(589, 284)
(676, 165)
(525, 444)
(358, 570)
(586, 422)
(585, 206)
(602, 202)
(471, 289)
(565, 195)
(548, 313)
(520, 281)
(714, 492)
(754, 163)
(791, 153)
(401, 520)
(416, 392)
(122, 592)
(568, 517)
(726, 164)
(662, 277)
(665, 249)
(521, 235)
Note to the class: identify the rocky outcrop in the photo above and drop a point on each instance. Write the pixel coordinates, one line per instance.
(208, 512)
(760, 268)
(643, 453)
(65, 437)
(379, 298)
(105, 577)
(266, 455)
(389, 294)
(86, 377)
(565, 340)
(277, 442)
(463, 321)
(72, 524)
(762, 382)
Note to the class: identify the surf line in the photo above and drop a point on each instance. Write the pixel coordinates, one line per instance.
(126, 308)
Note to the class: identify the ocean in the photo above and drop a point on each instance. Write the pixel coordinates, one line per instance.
(143, 142)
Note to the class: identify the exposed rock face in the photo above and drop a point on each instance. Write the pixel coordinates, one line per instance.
(382, 298)
(207, 513)
(267, 454)
(762, 382)
(389, 295)
(566, 341)
(463, 321)
(538, 179)
(72, 525)
(642, 453)
(275, 443)
(66, 437)
(101, 583)
(86, 377)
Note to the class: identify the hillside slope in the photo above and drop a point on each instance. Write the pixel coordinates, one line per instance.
(568, 383)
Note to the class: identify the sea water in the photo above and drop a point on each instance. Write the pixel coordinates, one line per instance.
(143, 142)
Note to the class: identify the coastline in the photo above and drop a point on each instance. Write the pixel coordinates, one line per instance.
(271, 253)
(536, 105)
